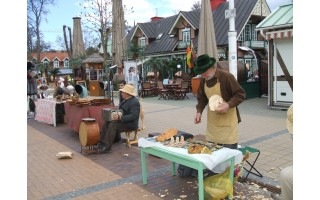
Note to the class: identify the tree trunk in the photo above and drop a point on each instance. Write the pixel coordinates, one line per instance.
(66, 41)
(71, 50)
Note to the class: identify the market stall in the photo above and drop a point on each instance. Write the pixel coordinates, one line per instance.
(95, 65)
(75, 113)
(46, 110)
(180, 152)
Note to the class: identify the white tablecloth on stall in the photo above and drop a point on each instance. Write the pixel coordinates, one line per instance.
(215, 162)
(46, 111)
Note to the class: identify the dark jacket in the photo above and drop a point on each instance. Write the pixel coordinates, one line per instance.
(131, 112)
(231, 91)
(32, 88)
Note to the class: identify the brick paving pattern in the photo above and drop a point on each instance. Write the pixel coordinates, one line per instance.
(118, 175)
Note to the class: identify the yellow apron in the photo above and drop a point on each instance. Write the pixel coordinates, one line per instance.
(221, 128)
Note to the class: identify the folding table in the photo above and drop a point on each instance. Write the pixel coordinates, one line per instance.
(181, 156)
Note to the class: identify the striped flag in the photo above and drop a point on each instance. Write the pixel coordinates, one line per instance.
(190, 56)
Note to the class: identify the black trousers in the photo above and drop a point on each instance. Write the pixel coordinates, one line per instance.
(111, 132)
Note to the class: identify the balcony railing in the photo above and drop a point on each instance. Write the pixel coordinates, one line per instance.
(255, 44)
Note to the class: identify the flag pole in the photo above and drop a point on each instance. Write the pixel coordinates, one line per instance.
(189, 45)
(232, 39)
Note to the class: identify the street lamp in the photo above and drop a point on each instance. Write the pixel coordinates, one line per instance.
(179, 71)
(109, 83)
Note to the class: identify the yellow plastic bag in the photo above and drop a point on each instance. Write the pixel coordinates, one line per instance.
(218, 186)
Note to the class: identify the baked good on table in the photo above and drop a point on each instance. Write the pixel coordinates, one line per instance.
(167, 134)
(199, 149)
(214, 102)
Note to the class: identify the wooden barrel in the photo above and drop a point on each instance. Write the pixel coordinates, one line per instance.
(89, 133)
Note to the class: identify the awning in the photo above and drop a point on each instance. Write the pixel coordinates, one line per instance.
(65, 71)
(279, 34)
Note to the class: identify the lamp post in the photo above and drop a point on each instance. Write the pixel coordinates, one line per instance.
(232, 39)
(109, 83)
(179, 70)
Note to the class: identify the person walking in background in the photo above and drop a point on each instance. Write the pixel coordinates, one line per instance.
(286, 176)
(222, 124)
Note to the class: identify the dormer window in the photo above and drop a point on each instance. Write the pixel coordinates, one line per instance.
(66, 63)
(56, 64)
(46, 62)
(159, 36)
(186, 35)
(142, 42)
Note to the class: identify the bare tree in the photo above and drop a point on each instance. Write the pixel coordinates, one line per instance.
(90, 39)
(196, 5)
(36, 12)
(60, 43)
(69, 48)
(98, 18)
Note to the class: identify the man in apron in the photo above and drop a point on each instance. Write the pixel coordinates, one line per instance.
(222, 124)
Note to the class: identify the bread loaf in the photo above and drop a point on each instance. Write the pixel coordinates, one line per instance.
(199, 149)
(167, 135)
(214, 102)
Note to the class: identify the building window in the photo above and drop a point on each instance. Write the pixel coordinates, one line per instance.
(186, 35)
(142, 42)
(93, 74)
(241, 37)
(56, 64)
(46, 63)
(254, 32)
(66, 63)
(247, 32)
(100, 74)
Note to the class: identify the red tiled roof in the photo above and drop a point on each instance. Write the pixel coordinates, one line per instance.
(51, 56)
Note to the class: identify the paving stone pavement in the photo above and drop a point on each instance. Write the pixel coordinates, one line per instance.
(118, 175)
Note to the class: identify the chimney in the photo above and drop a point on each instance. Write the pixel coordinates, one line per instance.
(78, 44)
(153, 19)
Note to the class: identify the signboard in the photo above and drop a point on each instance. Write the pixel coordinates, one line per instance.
(130, 74)
(230, 13)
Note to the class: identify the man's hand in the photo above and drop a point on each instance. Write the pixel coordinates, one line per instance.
(116, 116)
(223, 108)
(197, 118)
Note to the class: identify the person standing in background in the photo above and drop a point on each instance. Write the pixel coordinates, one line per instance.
(32, 89)
(81, 91)
(121, 84)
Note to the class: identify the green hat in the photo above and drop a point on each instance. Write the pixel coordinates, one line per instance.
(203, 63)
